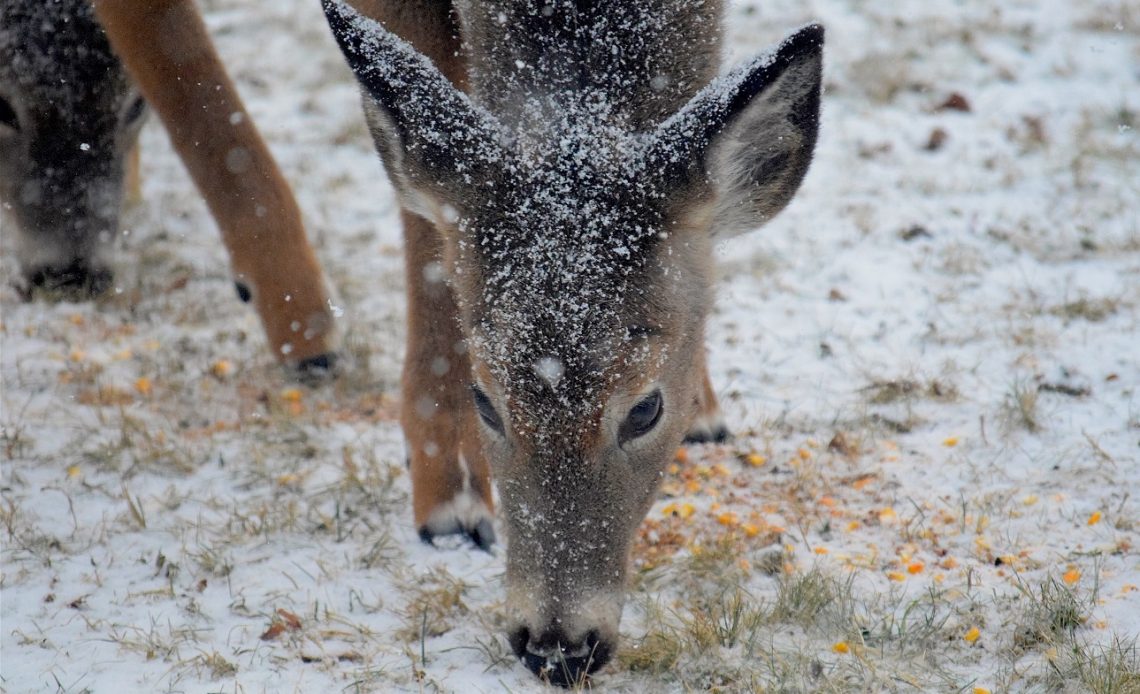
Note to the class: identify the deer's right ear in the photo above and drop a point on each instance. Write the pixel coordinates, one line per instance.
(436, 144)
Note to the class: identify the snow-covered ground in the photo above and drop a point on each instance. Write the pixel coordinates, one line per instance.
(930, 359)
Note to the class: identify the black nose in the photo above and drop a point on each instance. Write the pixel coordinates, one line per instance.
(74, 282)
(558, 660)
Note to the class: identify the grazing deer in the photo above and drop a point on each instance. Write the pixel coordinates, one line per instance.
(69, 121)
(565, 167)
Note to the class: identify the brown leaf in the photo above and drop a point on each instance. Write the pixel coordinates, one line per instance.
(291, 620)
(839, 444)
(955, 102)
(275, 629)
(938, 138)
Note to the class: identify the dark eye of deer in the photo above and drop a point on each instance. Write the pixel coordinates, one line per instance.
(642, 418)
(8, 115)
(135, 112)
(486, 410)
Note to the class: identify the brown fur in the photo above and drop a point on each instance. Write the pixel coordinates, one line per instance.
(165, 48)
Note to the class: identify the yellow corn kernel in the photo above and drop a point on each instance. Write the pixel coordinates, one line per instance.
(1094, 518)
(223, 367)
(915, 568)
(755, 459)
(950, 441)
(972, 635)
(841, 647)
(896, 575)
(1071, 576)
(142, 385)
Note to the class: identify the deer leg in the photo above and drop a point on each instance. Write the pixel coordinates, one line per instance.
(451, 484)
(166, 49)
(708, 426)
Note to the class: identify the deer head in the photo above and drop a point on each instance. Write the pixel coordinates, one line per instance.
(579, 247)
(68, 118)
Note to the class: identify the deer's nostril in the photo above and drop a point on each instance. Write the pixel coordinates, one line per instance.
(75, 281)
(555, 660)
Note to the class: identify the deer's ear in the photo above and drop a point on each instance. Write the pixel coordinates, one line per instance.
(436, 145)
(747, 139)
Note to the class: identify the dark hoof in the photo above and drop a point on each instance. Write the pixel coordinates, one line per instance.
(74, 282)
(314, 371)
(243, 292)
(559, 665)
(718, 434)
(482, 535)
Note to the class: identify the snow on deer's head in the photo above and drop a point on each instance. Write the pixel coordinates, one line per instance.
(580, 252)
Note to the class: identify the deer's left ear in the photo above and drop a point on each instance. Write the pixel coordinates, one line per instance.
(747, 139)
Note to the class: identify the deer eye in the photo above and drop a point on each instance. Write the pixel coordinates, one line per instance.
(8, 115)
(642, 418)
(135, 111)
(486, 410)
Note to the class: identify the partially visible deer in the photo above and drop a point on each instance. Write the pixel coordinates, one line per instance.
(69, 122)
(565, 167)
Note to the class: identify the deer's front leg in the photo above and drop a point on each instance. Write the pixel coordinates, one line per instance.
(451, 485)
(708, 426)
(165, 47)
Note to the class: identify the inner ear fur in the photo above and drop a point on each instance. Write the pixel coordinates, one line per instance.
(744, 143)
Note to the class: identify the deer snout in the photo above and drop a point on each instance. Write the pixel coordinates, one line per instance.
(76, 280)
(559, 659)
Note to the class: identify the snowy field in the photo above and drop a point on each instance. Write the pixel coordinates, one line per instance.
(931, 362)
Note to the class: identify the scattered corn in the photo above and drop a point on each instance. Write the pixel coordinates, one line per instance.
(915, 568)
(728, 519)
(73, 471)
(972, 635)
(751, 529)
(886, 515)
(1094, 518)
(755, 459)
(223, 367)
(142, 385)
(950, 441)
(681, 456)
(981, 690)
(841, 647)
(821, 550)
(1030, 499)
(896, 575)
(1071, 576)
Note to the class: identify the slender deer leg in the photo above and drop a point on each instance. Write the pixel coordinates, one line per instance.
(451, 487)
(165, 48)
(708, 426)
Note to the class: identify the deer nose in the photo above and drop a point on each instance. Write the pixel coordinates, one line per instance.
(557, 659)
(76, 280)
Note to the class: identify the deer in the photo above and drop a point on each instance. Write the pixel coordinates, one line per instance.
(77, 79)
(564, 168)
